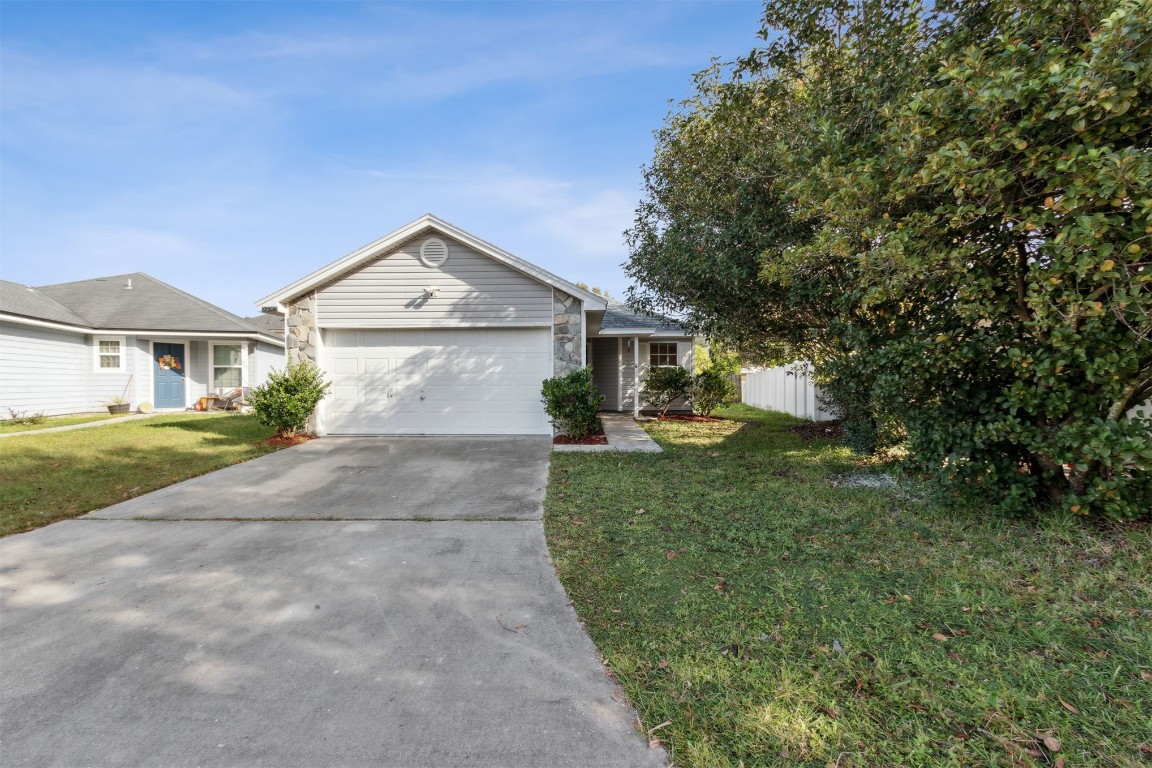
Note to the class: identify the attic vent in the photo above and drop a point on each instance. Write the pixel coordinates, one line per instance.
(433, 253)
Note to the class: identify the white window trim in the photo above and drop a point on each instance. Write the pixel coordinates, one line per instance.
(675, 354)
(123, 341)
(212, 362)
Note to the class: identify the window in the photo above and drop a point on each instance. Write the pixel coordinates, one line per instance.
(227, 362)
(110, 355)
(663, 354)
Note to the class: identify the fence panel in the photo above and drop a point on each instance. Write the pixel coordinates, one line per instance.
(784, 389)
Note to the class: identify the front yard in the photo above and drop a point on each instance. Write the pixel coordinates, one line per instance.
(55, 476)
(760, 609)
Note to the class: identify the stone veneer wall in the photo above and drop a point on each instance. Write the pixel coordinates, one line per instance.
(566, 335)
(303, 337)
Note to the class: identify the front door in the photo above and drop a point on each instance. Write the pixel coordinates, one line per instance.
(169, 378)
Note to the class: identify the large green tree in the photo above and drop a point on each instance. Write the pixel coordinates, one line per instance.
(951, 209)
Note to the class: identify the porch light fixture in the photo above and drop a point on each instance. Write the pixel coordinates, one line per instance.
(432, 291)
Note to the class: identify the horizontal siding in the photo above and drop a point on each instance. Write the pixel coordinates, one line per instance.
(606, 371)
(44, 371)
(103, 386)
(264, 358)
(475, 290)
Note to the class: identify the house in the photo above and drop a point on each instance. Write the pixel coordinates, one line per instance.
(70, 347)
(431, 330)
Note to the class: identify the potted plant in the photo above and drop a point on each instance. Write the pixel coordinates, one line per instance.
(118, 405)
(168, 363)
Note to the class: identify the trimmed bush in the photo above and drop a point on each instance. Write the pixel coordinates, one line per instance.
(712, 389)
(663, 386)
(289, 397)
(572, 402)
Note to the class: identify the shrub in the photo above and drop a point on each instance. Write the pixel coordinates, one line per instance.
(289, 397)
(711, 389)
(23, 417)
(664, 385)
(572, 402)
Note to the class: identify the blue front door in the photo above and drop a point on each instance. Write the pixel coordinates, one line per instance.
(169, 379)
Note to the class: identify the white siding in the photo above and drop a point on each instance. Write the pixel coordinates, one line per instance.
(782, 389)
(474, 291)
(44, 371)
(263, 358)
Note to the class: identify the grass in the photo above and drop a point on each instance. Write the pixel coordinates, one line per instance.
(55, 476)
(53, 421)
(759, 612)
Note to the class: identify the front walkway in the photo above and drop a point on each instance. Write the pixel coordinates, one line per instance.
(624, 435)
(85, 425)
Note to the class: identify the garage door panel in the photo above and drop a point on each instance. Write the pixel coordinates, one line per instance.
(437, 381)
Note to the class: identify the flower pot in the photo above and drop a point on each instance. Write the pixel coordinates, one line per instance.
(119, 408)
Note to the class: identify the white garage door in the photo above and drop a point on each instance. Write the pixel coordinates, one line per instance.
(437, 381)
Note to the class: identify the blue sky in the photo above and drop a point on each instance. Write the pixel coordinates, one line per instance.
(230, 148)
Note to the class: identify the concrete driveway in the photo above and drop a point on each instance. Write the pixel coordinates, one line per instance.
(394, 607)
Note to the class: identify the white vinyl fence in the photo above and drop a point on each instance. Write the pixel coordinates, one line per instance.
(787, 388)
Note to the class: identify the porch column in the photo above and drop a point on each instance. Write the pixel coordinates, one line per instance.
(635, 377)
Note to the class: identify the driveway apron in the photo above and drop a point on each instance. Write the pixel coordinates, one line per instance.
(348, 602)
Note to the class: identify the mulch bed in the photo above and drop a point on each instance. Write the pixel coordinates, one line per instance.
(818, 430)
(688, 417)
(590, 440)
(286, 442)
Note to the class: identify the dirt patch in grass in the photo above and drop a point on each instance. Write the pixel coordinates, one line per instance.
(818, 430)
(689, 417)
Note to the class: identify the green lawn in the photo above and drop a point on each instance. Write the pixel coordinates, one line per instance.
(758, 611)
(54, 476)
(53, 421)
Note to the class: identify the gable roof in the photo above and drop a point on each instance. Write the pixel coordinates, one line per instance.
(124, 303)
(622, 320)
(422, 226)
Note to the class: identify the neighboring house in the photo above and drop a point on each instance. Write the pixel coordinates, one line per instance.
(70, 347)
(430, 330)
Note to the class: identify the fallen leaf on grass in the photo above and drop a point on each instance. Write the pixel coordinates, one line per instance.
(941, 637)
(1068, 706)
(1061, 762)
(663, 664)
(1146, 676)
(1052, 743)
(653, 743)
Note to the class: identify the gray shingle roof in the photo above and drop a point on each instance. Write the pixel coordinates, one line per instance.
(107, 303)
(620, 315)
(21, 300)
(268, 322)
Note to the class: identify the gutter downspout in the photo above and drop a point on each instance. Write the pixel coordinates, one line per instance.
(635, 377)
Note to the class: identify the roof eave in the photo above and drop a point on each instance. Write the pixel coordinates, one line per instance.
(425, 223)
(87, 329)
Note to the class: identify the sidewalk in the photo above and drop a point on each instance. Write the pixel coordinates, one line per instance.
(624, 435)
(70, 427)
